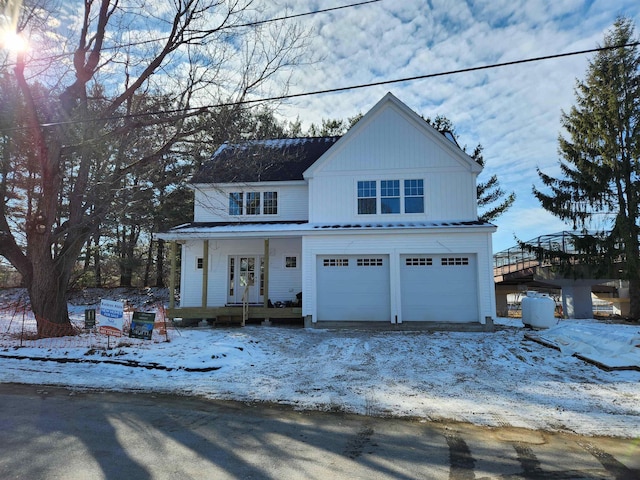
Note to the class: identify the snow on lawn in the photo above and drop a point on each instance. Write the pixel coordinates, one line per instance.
(494, 379)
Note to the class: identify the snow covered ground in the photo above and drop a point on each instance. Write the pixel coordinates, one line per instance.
(495, 379)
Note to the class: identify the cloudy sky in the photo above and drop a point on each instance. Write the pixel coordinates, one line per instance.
(513, 111)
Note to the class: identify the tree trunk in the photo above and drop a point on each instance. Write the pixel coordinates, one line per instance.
(633, 264)
(160, 264)
(147, 267)
(48, 294)
(97, 260)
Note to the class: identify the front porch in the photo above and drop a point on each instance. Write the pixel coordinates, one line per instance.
(237, 310)
(236, 314)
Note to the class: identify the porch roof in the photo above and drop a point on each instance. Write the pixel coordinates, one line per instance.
(196, 230)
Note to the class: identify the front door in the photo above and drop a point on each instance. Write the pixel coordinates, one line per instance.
(246, 273)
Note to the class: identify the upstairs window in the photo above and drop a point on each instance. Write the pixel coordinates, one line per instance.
(235, 203)
(367, 197)
(414, 196)
(395, 196)
(253, 203)
(270, 203)
(390, 196)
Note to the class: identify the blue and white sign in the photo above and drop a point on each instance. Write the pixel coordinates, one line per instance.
(111, 318)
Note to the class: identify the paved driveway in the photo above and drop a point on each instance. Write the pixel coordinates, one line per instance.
(52, 433)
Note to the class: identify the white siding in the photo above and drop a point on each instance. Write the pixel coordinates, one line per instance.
(396, 245)
(212, 203)
(390, 141)
(284, 283)
(389, 146)
(449, 196)
(190, 276)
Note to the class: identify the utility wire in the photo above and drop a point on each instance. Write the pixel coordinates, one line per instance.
(354, 87)
(431, 75)
(224, 27)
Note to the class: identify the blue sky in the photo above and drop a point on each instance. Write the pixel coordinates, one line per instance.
(514, 112)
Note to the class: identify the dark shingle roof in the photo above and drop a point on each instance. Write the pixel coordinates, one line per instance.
(263, 160)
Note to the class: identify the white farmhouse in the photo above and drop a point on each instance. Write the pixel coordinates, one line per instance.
(379, 225)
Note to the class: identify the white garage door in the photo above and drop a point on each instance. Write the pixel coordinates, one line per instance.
(439, 288)
(353, 288)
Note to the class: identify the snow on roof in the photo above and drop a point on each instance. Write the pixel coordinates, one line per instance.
(277, 159)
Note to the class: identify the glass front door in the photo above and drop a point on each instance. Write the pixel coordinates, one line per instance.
(244, 277)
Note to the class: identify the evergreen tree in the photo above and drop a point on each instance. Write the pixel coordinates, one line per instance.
(600, 154)
(488, 192)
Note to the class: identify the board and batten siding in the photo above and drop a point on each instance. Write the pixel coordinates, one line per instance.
(212, 203)
(284, 283)
(389, 146)
(448, 196)
(395, 245)
(391, 140)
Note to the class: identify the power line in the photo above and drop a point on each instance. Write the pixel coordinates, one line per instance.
(224, 27)
(277, 19)
(366, 85)
(431, 75)
(342, 89)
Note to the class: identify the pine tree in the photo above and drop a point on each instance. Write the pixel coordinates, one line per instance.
(487, 192)
(600, 155)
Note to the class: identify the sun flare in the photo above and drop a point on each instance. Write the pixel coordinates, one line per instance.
(14, 42)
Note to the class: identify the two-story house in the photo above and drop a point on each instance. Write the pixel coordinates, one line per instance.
(379, 225)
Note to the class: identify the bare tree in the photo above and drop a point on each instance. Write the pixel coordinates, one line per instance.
(85, 122)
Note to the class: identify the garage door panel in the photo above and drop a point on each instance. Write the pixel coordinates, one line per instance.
(353, 288)
(439, 288)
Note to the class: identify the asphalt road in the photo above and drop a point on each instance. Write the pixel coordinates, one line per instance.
(52, 433)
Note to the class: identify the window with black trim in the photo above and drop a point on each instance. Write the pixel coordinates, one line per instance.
(200, 263)
(290, 262)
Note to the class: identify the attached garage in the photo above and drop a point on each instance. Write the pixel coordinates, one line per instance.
(439, 288)
(353, 288)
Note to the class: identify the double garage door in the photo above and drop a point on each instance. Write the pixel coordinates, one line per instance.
(433, 288)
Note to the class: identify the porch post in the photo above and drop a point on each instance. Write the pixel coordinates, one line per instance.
(266, 273)
(172, 277)
(205, 272)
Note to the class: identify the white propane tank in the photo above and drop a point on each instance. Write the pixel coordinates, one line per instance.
(538, 310)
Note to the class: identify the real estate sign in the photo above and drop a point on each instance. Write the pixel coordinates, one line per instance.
(111, 318)
(142, 325)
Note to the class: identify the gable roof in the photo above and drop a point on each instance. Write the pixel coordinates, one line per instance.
(263, 160)
(445, 140)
